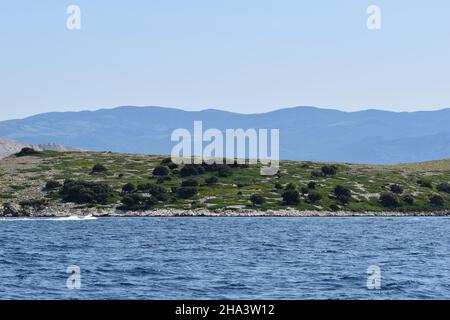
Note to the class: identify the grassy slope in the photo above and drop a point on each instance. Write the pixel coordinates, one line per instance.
(23, 178)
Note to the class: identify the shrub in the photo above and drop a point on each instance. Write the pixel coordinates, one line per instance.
(35, 203)
(436, 200)
(257, 199)
(425, 183)
(172, 166)
(443, 187)
(291, 197)
(86, 192)
(155, 190)
(329, 170)
(211, 180)
(224, 171)
(189, 183)
(161, 171)
(304, 190)
(312, 185)
(188, 170)
(395, 188)
(317, 174)
(389, 199)
(98, 168)
(52, 184)
(26, 152)
(290, 186)
(278, 186)
(314, 197)
(136, 201)
(334, 207)
(128, 188)
(409, 199)
(342, 193)
(187, 192)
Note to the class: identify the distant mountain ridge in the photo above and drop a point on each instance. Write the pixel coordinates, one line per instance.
(306, 133)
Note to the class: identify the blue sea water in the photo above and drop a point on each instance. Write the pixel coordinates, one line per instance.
(225, 258)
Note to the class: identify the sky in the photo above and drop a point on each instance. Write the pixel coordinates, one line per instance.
(247, 56)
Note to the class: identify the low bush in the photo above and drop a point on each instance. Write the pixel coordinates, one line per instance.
(98, 168)
(211, 180)
(52, 185)
(187, 192)
(389, 199)
(26, 152)
(436, 200)
(257, 199)
(443, 187)
(314, 197)
(291, 197)
(86, 192)
(342, 193)
(161, 171)
(395, 188)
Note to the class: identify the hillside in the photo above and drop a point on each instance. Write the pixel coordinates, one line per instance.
(126, 184)
(306, 133)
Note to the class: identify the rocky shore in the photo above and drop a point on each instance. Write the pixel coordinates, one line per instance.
(71, 210)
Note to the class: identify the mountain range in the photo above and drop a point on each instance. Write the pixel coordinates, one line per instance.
(306, 133)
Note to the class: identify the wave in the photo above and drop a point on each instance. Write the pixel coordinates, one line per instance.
(70, 218)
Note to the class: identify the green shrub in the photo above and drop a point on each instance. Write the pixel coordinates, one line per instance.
(312, 185)
(409, 199)
(136, 201)
(317, 174)
(290, 186)
(257, 199)
(52, 185)
(172, 166)
(189, 183)
(329, 170)
(187, 192)
(443, 187)
(314, 196)
(278, 186)
(436, 200)
(26, 152)
(211, 180)
(128, 188)
(334, 207)
(161, 171)
(224, 171)
(425, 183)
(189, 170)
(342, 193)
(291, 197)
(389, 199)
(86, 192)
(395, 188)
(98, 168)
(34, 203)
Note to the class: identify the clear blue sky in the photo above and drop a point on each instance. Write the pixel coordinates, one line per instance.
(239, 55)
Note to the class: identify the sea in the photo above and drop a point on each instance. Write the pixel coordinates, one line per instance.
(225, 258)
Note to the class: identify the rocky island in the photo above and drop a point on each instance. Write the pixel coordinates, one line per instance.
(50, 183)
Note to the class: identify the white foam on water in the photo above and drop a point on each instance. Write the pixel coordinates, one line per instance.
(70, 218)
